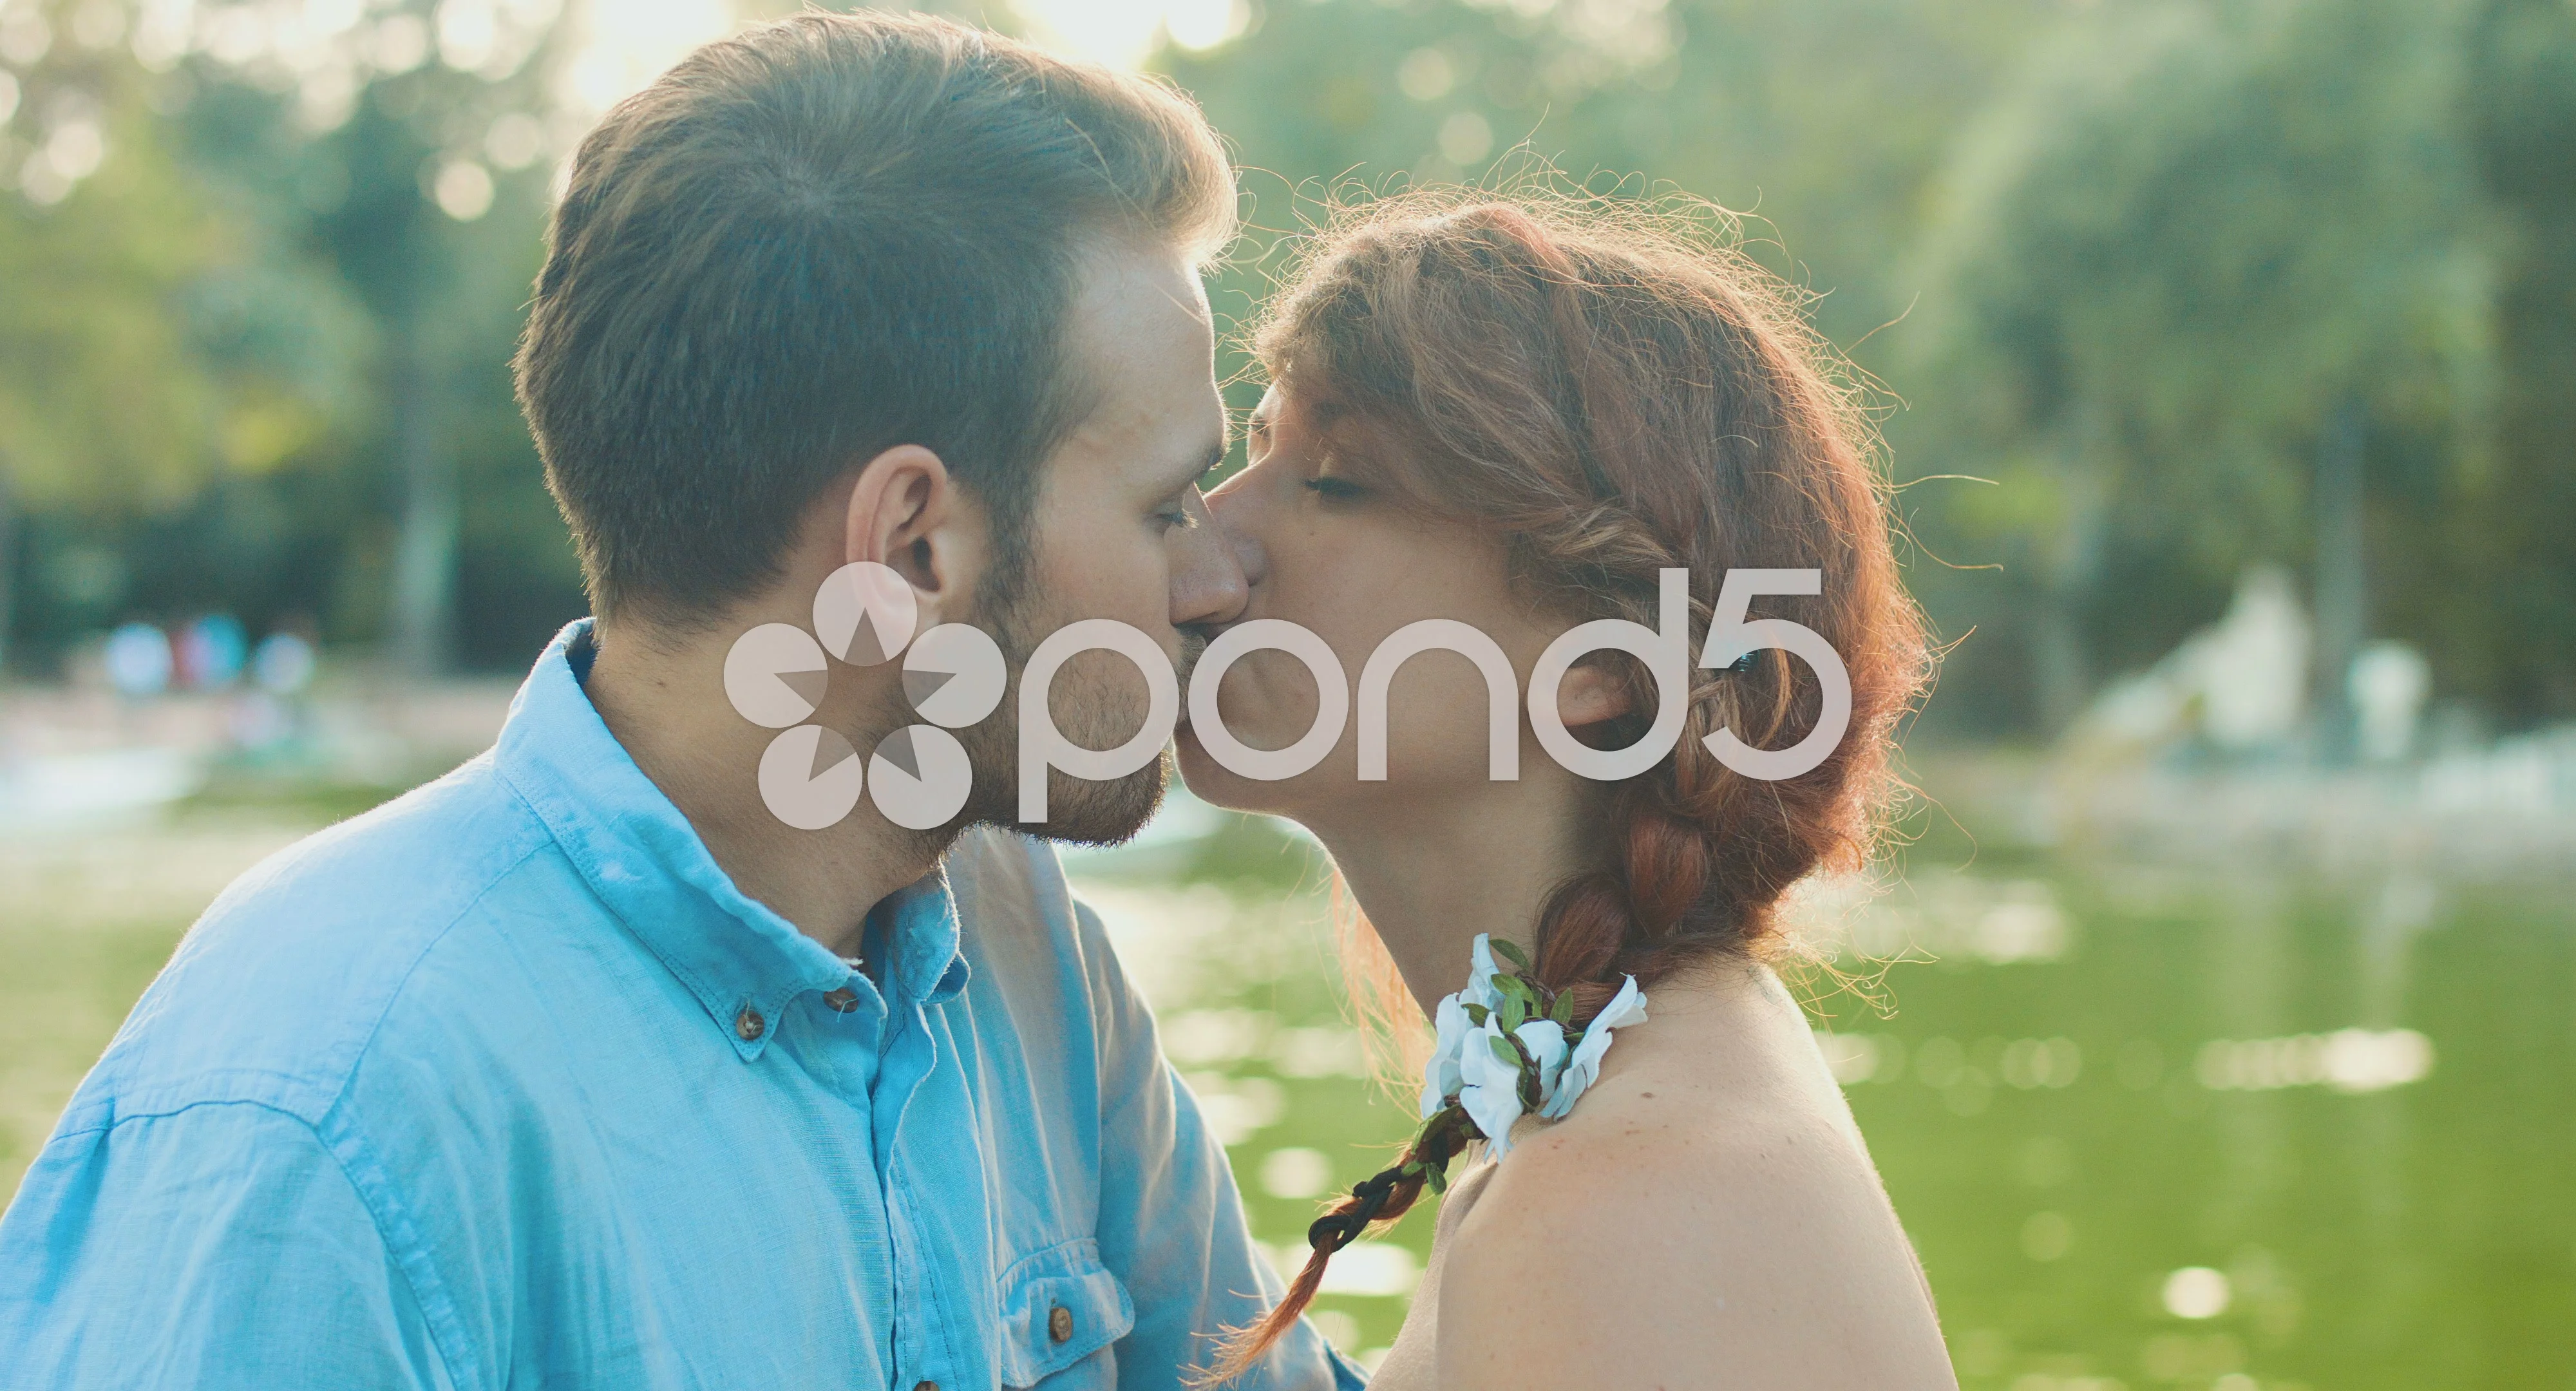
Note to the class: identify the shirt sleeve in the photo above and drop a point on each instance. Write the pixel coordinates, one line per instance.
(1171, 1224)
(219, 1246)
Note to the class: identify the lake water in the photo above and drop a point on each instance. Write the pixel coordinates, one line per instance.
(2211, 1128)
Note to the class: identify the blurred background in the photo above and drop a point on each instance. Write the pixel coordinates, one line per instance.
(2213, 1027)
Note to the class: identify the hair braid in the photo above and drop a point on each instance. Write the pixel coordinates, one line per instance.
(1376, 1201)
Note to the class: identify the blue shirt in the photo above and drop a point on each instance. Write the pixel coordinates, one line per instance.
(505, 1084)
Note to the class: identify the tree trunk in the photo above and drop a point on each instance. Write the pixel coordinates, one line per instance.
(2342, 579)
(8, 561)
(2071, 564)
(424, 576)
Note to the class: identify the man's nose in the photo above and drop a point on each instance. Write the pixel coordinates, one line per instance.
(1208, 584)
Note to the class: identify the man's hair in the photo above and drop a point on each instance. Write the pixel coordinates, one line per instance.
(817, 240)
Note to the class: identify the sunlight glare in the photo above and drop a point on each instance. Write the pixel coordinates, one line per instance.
(1122, 33)
(625, 44)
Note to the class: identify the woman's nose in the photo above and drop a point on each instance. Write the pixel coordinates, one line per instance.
(1208, 585)
(1237, 520)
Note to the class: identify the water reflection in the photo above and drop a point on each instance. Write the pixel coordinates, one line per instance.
(2243, 1130)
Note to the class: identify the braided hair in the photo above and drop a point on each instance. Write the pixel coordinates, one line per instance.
(1612, 389)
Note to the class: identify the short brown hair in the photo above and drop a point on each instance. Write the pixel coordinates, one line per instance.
(812, 242)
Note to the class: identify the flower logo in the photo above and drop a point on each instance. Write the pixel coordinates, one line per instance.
(811, 776)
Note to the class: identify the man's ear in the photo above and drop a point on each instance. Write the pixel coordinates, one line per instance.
(1590, 693)
(906, 513)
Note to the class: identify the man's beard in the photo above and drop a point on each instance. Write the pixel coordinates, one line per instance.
(1080, 811)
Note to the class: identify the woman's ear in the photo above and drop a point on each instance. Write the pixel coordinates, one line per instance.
(906, 513)
(1590, 693)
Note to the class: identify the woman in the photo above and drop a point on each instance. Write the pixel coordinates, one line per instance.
(1517, 414)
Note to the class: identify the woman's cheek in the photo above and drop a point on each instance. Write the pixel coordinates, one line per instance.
(1267, 699)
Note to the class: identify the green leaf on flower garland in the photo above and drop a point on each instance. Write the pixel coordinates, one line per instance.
(1515, 1013)
(1509, 952)
(1503, 1050)
(1564, 1011)
(1476, 1015)
(1438, 1179)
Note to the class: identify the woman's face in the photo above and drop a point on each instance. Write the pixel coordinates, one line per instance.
(1328, 545)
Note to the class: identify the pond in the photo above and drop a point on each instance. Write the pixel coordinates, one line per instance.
(2202, 1126)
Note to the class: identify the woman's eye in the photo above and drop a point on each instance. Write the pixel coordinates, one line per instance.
(1337, 489)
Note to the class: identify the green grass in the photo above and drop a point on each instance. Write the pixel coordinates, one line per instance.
(64, 989)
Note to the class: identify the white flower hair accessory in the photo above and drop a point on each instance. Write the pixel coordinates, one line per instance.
(1507, 1047)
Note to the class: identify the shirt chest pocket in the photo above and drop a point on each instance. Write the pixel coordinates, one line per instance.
(1059, 1307)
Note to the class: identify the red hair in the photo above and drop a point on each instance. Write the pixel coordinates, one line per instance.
(1612, 389)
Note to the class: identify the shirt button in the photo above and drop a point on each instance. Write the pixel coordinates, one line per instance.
(842, 1000)
(1059, 1323)
(749, 1024)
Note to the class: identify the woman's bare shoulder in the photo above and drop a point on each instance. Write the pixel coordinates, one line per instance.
(1664, 1236)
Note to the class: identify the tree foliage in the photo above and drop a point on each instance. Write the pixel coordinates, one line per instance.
(293, 281)
(2126, 261)
(2131, 261)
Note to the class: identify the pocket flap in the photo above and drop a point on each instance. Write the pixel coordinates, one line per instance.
(1059, 1307)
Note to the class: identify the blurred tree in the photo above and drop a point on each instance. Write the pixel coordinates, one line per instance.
(2513, 513)
(1826, 123)
(1821, 121)
(101, 401)
(353, 197)
(155, 342)
(2200, 284)
(381, 135)
(2173, 274)
(2168, 254)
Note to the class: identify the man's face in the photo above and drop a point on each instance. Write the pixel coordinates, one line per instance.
(1120, 532)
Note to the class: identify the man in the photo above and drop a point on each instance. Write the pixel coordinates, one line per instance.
(581, 1067)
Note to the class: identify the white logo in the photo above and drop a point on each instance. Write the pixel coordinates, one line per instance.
(775, 675)
(954, 675)
(810, 776)
(1043, 747)
(864, 613)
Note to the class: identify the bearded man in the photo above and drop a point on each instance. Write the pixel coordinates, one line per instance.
(608, 1060)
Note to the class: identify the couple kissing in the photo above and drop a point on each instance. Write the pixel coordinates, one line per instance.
(582, 1067)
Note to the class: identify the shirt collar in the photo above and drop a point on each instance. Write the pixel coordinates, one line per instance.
(646, 863)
